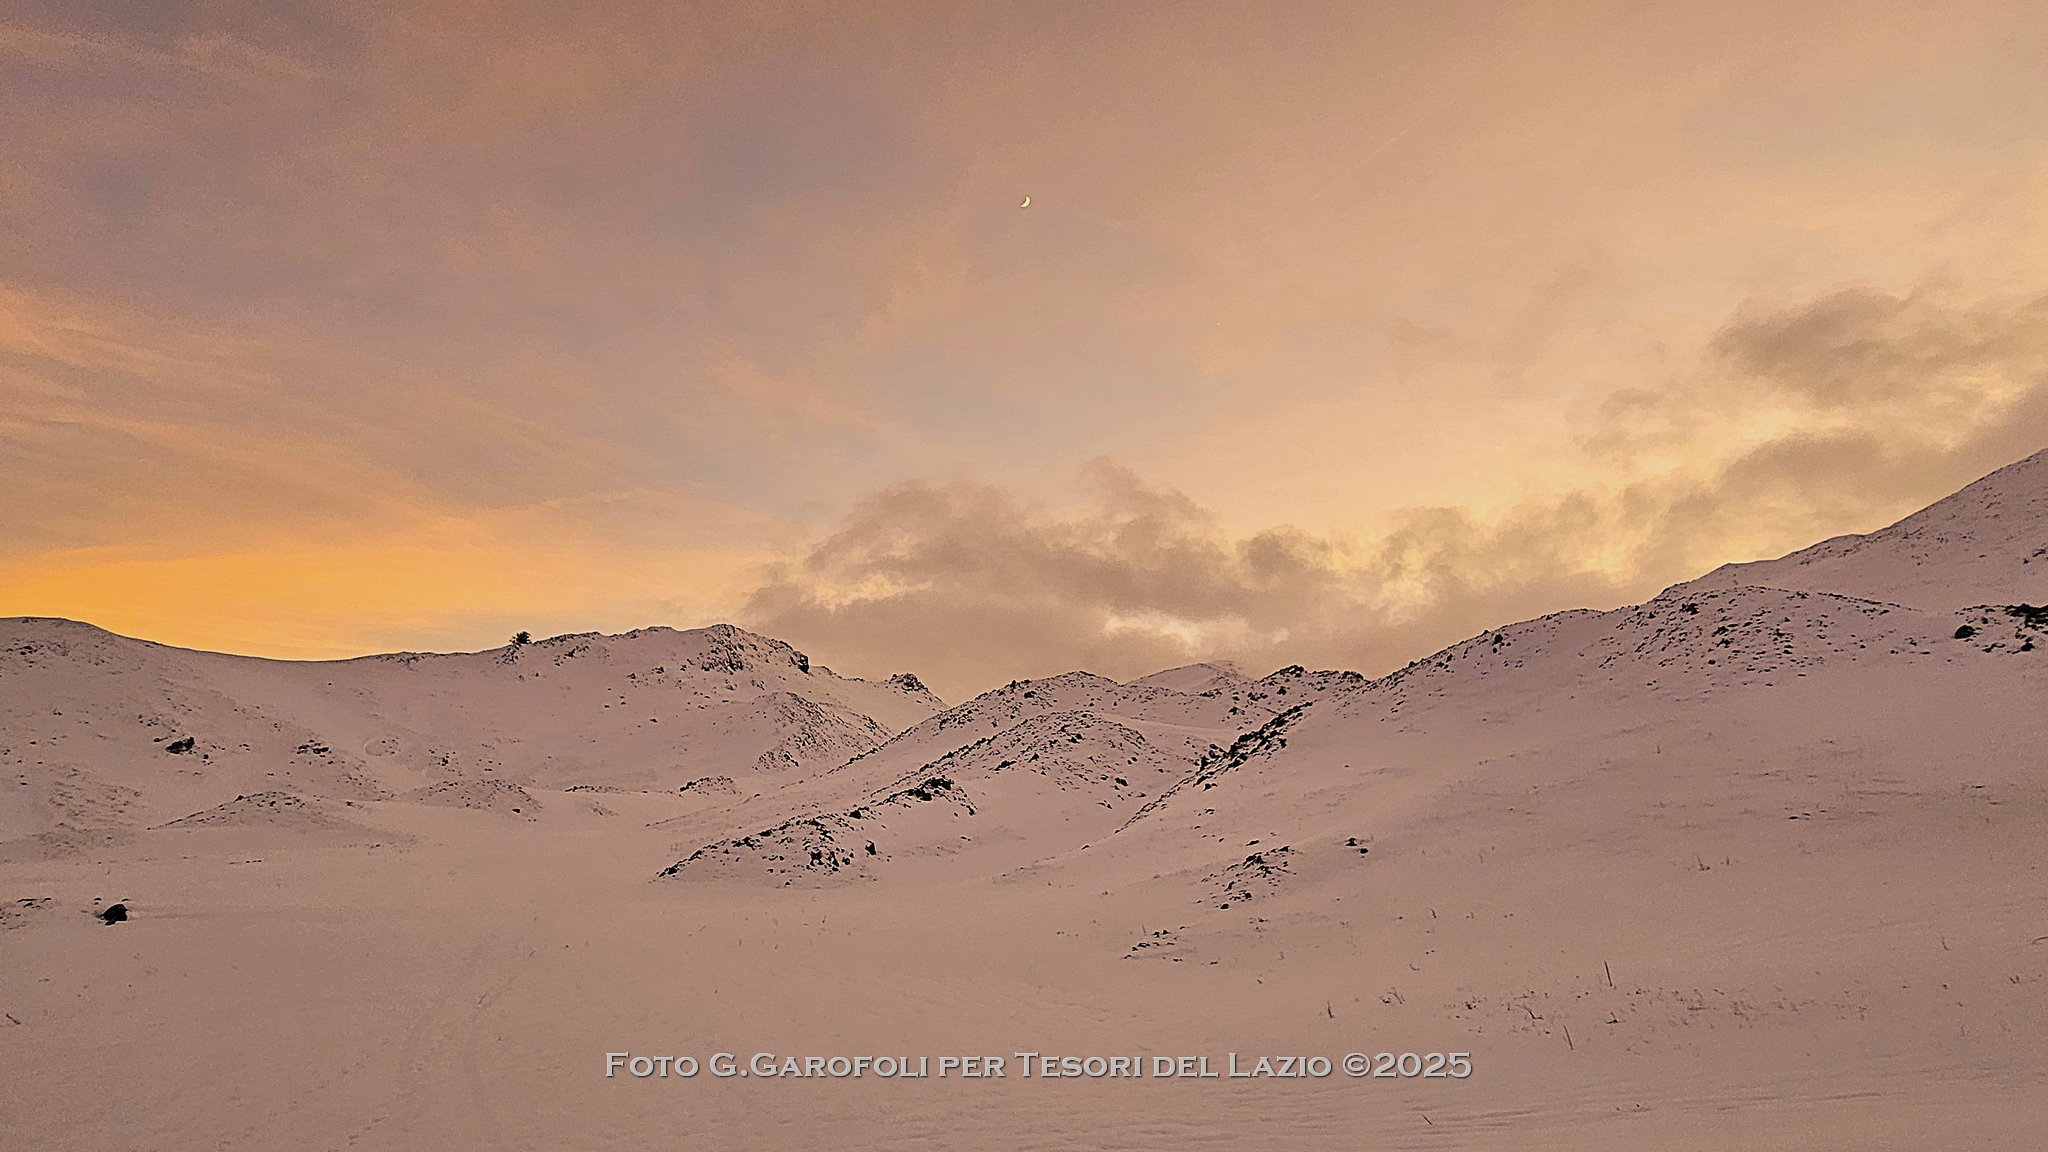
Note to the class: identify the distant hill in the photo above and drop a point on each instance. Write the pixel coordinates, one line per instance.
(104, 734)
(1196, 678)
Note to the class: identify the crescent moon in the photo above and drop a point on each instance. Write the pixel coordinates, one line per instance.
(1026, 203)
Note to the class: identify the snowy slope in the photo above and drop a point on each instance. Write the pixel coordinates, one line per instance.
(104, 735)
(1987, 544)
(1195, 679)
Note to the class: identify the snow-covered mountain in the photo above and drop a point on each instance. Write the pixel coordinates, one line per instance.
(103, 734)
(1757, 861)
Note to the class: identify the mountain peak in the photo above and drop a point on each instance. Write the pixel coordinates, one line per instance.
(1195, 679)
(1985, 544)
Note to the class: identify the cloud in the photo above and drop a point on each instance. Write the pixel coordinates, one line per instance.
(1859, 347)
(969, 585)
(1856, 407)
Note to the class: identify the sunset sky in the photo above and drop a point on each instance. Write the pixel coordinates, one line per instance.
(1332, 333)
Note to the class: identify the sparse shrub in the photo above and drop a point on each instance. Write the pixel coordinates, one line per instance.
(521, 639)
